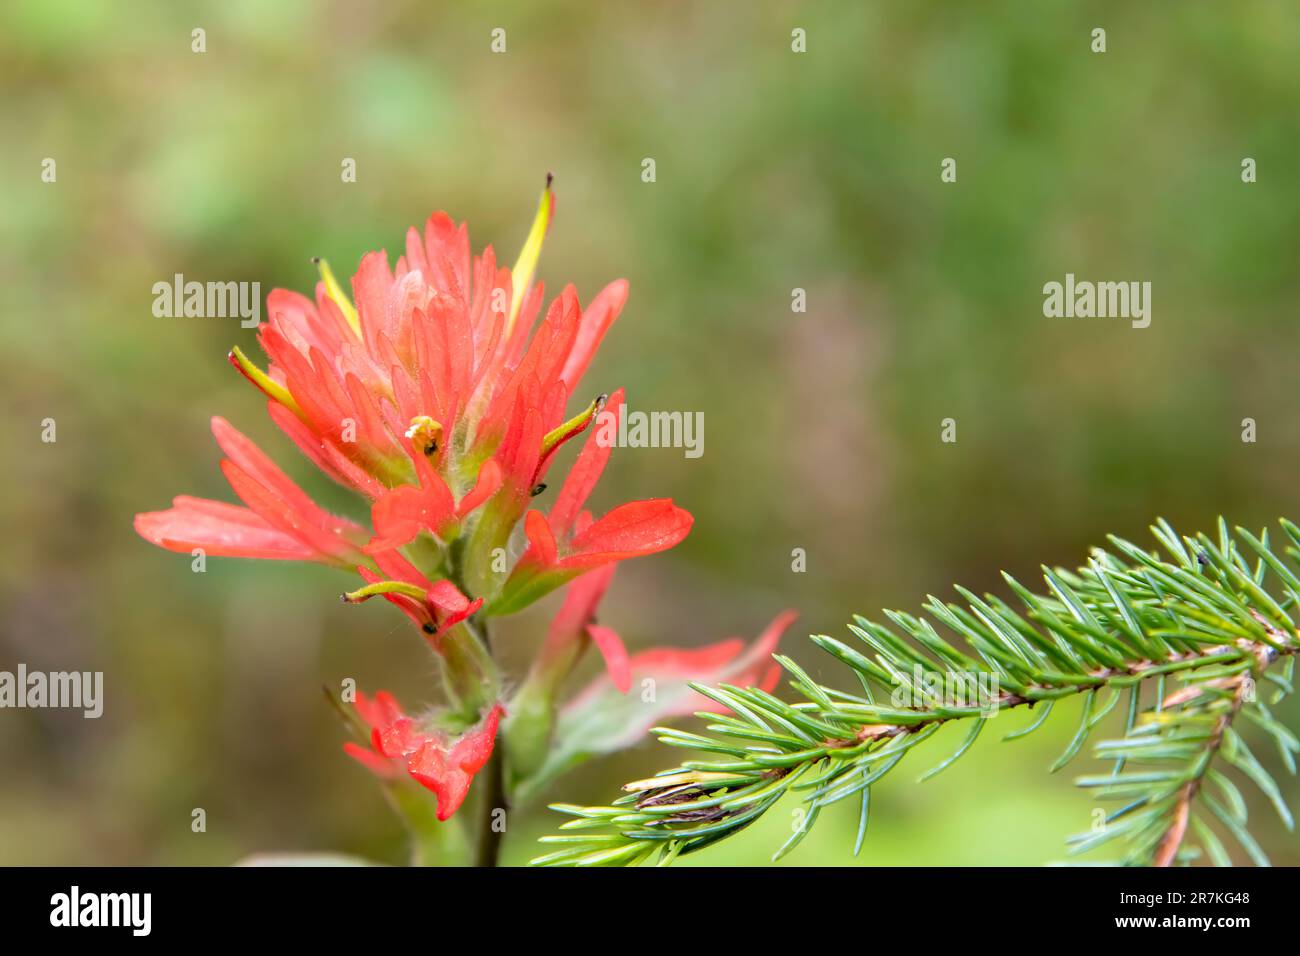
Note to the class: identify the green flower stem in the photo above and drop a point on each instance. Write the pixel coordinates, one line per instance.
(433, 842)
(490, 836)
(533, 712)
(469, 673)
(493, 779)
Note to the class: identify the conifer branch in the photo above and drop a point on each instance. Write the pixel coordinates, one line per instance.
(1214, 615)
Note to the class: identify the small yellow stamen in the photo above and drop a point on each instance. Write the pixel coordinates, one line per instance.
(425, 433)
(521, 276)
(338, 296)
(272, 388)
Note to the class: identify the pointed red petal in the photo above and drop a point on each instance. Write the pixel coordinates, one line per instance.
(221, 530)
(326, 544)
(587, 468)
(399, 515)
(449, 775)
(254, 462)
(370, 287)
(631, 530)
(377, 764)
(602, 719)
(450, 607)
(541, 540)
(600, 315)
(579, 608)
(487, 484)
(447, 597)
(323, 455)
(272, 494)
(447, 251)
(611, 647)
(473, 750)
(373, 712)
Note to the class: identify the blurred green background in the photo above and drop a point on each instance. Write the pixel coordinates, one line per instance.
(775, 170)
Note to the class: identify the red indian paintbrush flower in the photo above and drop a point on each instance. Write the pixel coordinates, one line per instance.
(431, 397)
(430, 757)
(441, 399)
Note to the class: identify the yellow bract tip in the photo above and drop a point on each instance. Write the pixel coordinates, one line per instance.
(521, 276)
(268, 385)
(338, 296)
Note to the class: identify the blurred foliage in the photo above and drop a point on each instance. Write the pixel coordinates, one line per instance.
(775, 171)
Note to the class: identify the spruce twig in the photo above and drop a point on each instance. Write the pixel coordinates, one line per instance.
(1214, 615)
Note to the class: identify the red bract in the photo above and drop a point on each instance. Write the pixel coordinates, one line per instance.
(571, 630)
(568, 542)
(577, 620)
(279, 522)
(605, 717)
(728, 660)
(437, 762)
(432, 607)
(401, 514)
